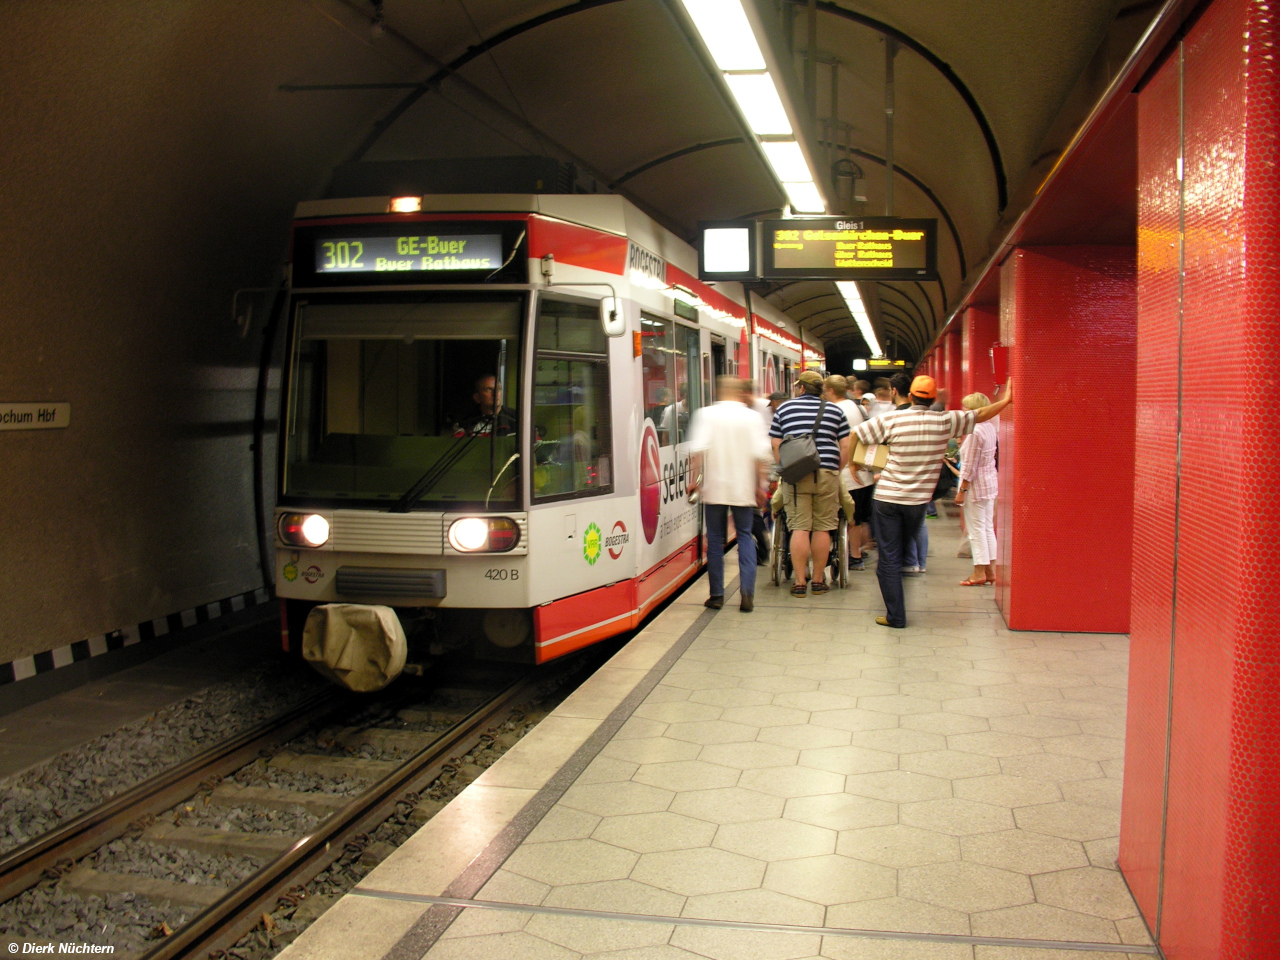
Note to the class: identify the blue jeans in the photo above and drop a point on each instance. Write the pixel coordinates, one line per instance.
(897, 525)
(916, 551)
(717, 530)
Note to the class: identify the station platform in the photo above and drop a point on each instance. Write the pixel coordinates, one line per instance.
(792, 783)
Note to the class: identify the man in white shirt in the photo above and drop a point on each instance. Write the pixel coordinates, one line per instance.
(730, 464)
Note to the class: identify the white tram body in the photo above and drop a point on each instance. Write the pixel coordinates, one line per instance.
(549, 513)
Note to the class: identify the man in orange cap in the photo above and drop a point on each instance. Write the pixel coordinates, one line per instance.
(917, 439)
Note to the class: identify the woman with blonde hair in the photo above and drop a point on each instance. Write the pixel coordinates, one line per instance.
(979, 484)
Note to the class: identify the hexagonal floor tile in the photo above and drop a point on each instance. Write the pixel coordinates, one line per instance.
(1023, 852)
(824, 671)
(899, 740)
(700, 681)
(563, 823)
(608, 770)
(768, 715)
(1043, 922)
(613, 799)
(563, 862)
(949, 764)
(1050, 766)
(986, 707)
(758, 906)
(681, 775)
(791, 781)
(992, 744)
(726, 943)
(727, 805)
(1086, 746)
(748, 756)
(831, 879)
(711, 731)
(1071, 821)
(1021, 692)
(900, 704)
(756, 667)
(775, 839)
(1097, 892)
(815, 700)
(945, 723)
(655, 832)
(848, 760)
(514, 944)
(964, 886)
(841, 811)
(1006, 791)
(650, 750)
(731, 697)
(507, 887)
(1105, 792)
(900, 914)
(595, 935)
(619, 896)
(896, 845)
(1073, 710)
(804, 736)
(854, 720)
(673, 711)
(1033, 725)
(1103, 853)
(857, 687)
(784, 684)
(898, 786)
(698, 871)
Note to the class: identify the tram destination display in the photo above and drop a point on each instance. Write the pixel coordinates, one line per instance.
(851, 248)
(413, 253)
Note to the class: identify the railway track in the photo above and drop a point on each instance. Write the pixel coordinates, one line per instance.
(451, 723)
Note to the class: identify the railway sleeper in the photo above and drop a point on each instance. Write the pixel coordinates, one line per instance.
(89, 882)
(274, 798)
(231, 843)
(371, 770)
(403, 742)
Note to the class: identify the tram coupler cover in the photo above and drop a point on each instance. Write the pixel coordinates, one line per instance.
(360, 646)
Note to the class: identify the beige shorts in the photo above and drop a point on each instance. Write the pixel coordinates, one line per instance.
(812, 504)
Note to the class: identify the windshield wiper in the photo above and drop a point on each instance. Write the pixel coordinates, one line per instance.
(435, 473)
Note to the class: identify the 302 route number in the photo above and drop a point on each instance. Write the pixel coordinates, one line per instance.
(499, 573)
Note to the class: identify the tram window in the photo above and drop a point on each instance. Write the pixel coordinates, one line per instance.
(657, 356)
(573, 435)
(688, 378)
(380, 392)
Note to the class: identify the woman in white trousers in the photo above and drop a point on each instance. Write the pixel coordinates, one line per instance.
(979, 484)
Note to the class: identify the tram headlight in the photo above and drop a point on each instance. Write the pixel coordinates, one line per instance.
(303, 529)
(484, 534)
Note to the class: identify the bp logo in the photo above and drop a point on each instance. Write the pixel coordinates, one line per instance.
(591, 544)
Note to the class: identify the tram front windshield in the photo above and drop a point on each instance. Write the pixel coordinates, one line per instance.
(397, 400)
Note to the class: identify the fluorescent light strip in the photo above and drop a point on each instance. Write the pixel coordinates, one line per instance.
(853, 300)
(727, 33)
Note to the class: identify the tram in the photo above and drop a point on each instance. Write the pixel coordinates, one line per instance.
(483, 430)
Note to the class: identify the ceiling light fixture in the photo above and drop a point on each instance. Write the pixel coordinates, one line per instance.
(853, 300)
(727, 33)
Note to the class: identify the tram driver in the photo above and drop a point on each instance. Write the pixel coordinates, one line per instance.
(489, 418)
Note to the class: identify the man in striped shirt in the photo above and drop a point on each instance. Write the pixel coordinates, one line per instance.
(813, 504)
(917, 440)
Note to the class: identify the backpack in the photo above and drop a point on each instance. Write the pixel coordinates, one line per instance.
(798, 453)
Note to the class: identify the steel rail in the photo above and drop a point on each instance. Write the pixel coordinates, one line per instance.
(23, 867)
(221, 925)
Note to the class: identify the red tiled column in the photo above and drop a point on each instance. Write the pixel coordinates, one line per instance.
(980, 330)
(1065, 511)
(1204, 702)
(955, 367)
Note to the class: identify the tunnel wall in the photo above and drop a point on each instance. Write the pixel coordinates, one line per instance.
(1200, 829)
(1066, 466)
(146, 177)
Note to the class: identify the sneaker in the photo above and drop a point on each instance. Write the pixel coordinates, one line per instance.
(715, 603)
(857, 564)
(911, 571)
(747, 603)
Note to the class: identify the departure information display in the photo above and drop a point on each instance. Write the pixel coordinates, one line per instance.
(409, 254)
(866, 248)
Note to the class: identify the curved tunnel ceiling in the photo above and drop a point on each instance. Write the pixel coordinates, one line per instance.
(619, 88)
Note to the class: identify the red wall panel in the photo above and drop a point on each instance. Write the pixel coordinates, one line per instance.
(1067, 471)
(955, 367)
(980, 330)
(1155, 484)
(1211, 583)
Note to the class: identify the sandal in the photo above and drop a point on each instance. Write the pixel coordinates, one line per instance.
(800, 590)
(973, 583)
(819, 586)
